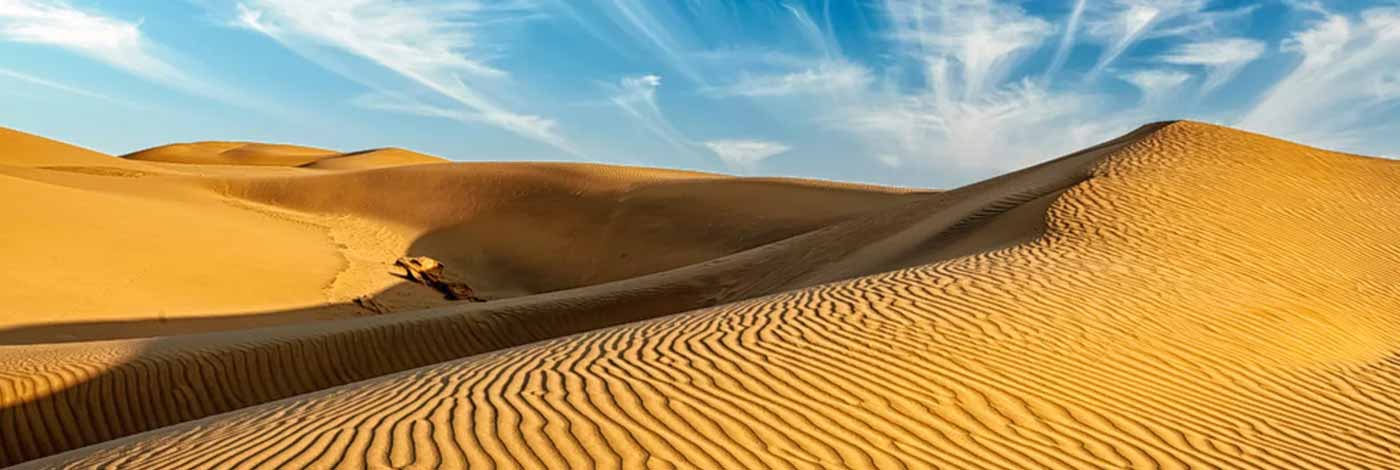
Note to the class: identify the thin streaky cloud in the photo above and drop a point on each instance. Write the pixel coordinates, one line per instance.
(1121, 24)
(110, 40)
(115, 42)
(1066, 44)
(1223, 58)
(1156, 84)
(637, 19)
(823, 78)
(420, 42)
(817, 37)
(1332, 97)
(919, 92)
(636, 96)
(56, 86)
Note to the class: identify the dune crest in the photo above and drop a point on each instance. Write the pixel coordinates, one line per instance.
(278, 155)
(232, 153)
(1184, 296)
(373, 159)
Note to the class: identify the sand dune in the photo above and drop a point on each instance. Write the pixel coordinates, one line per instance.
(111, 248)
(373, 159)
(277, 155)
(1184, 296)
(233, 153)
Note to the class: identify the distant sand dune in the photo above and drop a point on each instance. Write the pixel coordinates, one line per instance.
(1184, 296)
(233, 153)
(373, 159)
(114, 248)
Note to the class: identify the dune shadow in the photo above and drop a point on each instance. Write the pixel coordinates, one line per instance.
(164, 381)
(118, 378)
(57, 397)
(67, 332)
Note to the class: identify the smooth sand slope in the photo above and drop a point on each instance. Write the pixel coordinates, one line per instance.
(1184, 296)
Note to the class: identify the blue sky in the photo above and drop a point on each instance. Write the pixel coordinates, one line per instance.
(929, 93)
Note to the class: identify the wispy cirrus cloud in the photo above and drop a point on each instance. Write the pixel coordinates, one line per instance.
(967, 114)
(434, 44)
(117, 42)
(992, 132)
(1223, 58)
(967, 46)
(648, 23)
(50, 84)
(636, 96)
(951, 86)
(1342, 86)
(1118, 25)
(1067, 40)
(971, 105)
(943, 89)
(1155, 84)
(825, 77)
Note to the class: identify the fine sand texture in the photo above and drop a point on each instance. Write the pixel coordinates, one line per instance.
(1185, 296)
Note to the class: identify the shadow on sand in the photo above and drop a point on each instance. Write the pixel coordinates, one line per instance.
(56, 397)
(50, 333)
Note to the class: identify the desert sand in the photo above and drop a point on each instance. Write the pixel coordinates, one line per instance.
(1186, 295)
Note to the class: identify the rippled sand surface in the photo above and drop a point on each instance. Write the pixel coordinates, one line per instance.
(1184, 296)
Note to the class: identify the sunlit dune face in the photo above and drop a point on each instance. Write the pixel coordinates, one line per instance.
(1183, 295)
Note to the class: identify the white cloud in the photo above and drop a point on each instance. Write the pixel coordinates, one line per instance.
(745, 155)
(118, 43)
(1121, 30)
(1156, 83)
(1343, 83)
(827, 77)
(636, 96)
(822, 40)
(967, 115)
(110, 40)
(403, 104)
(54, 85)
(643, 86)
(1067, 38)
(1014, 126)
(966, 45)
(1223, 58)
(655, 27)
(1120, 24)
(433, 44)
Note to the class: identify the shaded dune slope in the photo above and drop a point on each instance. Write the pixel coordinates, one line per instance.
(520, 229)
(72, 376)
(58, 396)
(1184, 296)
(110, 248)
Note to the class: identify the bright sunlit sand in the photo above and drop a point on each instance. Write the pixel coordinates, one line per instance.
(699, 234)
(1184, 296)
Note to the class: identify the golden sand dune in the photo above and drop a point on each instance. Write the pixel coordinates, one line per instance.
(373, 159)
(27, 150)
(111, 248)
(322, 239)
(233, 153)
(1184, 296)
(277, 155)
